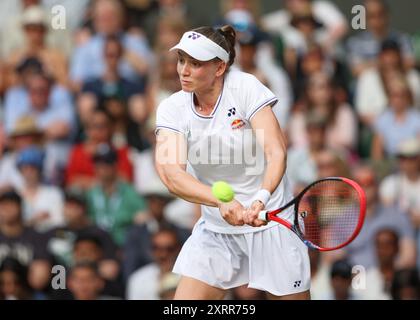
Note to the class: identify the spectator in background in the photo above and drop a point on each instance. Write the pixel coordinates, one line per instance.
(137, 247)
(24, 134)
(77, 224)
(43, 204)
(402, 188)
(301, 160)
(268, 73)
(35, 26)
(53, 111)
(331, 20)
(143, 283)
(379, 279)
(126, 132)
(406, 285)
(80, 170)
(88, 60)
(316, 61)
(232, 7)
(167, 32)
(85, 282)
(341, 278)
(12, 36)
(341, 129)
(13, 280)
(363, 48)
(23, 243)
(362, 250)
(146, 16)
(113, 204)
(400, 122)
(89, 248)
(18, 95)
(331, 163)
(304, 32)
(56, 119)
(111, 86)
(371, 89)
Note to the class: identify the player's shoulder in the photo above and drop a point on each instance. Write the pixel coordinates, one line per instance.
(175, 102)
(237, 79)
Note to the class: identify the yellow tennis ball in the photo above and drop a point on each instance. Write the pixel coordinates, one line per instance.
(222, 191)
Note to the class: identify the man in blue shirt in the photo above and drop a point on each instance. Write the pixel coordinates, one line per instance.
(88, 60)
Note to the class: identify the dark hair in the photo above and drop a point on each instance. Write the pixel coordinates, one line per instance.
(10, 194)
(405, 278)
(29, 64)
(85, 236)
(390, 44)
(75, 196)
(105, 153)
(341, 268)
(21, 271)
(390, 231)
(224, 36)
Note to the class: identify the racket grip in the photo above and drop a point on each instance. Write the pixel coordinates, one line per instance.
(263, 215)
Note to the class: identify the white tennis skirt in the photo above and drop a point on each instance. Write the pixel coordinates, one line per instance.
(274, 260)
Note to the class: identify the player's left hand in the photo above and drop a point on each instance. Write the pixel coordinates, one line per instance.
(251, 214)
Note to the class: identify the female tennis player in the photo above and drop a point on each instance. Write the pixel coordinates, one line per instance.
(204, 124)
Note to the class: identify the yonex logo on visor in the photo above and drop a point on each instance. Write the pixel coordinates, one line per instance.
(194, 36)
(200, 47)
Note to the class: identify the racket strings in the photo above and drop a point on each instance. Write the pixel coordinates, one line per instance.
(329, 213)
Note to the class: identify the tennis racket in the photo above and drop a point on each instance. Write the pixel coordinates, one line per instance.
(328, 214)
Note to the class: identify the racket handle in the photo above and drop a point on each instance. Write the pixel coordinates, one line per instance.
(263, 215)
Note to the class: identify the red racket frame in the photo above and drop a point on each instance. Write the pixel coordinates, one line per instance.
(272, 215)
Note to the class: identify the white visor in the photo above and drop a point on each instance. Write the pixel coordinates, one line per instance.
(200, 47)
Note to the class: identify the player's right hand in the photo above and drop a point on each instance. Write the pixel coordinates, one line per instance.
(232, 212)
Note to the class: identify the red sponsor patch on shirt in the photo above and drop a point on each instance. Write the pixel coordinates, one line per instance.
(237, 124)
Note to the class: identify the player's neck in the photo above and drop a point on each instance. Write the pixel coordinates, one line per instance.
(206, 100)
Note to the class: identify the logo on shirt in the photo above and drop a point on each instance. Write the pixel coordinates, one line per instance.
(231, 111)
(297, 284)
(237, 124)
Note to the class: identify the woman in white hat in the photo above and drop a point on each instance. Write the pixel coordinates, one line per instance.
(217, 114)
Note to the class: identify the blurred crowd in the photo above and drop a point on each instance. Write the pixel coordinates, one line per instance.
(78, 187)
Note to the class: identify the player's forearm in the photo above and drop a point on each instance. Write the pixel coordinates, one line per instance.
(190, 189)
(276, 167)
